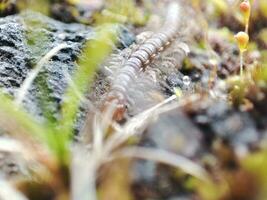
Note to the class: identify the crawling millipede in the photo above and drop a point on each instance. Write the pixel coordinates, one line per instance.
(140, 58)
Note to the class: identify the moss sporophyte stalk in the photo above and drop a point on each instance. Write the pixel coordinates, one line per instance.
(241, 37)
(245, 9)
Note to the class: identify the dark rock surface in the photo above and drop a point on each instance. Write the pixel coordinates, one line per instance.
(209, 130)
(25, 39)
(175, 133)
(10, 8)
(222, 121)
(13, 53)
(81, 11)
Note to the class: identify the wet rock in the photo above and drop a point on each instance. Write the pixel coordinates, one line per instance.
(145, 171)
(63, 12)
(10, 8)
(220, 120)
(126, 38)
(15, 56)
(237, 126)
(81, 12)
(173, 132)
(179, 80)
(175, 80)
(24, 40)
(165, 185)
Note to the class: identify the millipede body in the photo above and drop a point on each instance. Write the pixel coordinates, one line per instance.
(140, 58)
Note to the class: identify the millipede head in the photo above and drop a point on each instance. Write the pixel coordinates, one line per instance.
(118, 100)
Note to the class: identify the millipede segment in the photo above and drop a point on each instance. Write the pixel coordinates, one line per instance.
(140, 58)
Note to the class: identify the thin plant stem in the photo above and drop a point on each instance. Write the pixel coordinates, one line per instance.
(246, 28)
(33, 74)
(241, 63)
(166, 157)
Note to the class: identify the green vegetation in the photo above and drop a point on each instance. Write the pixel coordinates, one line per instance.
(232, 66)
(4, 4)
(94, 53)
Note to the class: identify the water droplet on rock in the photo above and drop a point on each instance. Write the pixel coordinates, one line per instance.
(186, 80)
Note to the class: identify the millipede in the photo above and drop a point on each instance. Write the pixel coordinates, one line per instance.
(139, 59)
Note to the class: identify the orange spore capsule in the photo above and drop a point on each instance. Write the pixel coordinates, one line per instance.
(245, 6)
(242, 39)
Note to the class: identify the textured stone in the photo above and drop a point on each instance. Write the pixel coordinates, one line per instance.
(25, 39)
